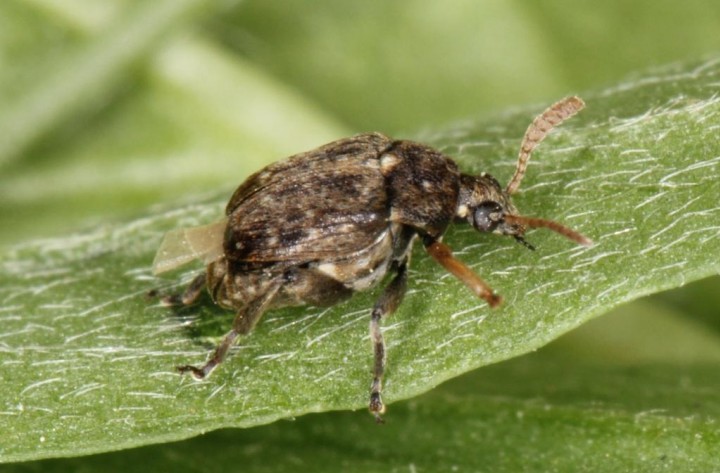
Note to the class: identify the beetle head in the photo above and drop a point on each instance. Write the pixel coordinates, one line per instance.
(484, 204)
(489, 208)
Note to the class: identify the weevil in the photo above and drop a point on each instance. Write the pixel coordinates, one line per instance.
(322, 225)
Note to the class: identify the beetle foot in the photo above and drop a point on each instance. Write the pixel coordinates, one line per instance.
(377, 407)
(197, 373)
(494, 300)
(173, 300)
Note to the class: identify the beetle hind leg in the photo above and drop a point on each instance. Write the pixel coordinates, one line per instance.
(245, 320)
(386, 305)
(189, 295)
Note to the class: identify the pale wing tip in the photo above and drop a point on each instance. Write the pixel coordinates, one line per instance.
(183, 245)
(174, 251)
(163, 264)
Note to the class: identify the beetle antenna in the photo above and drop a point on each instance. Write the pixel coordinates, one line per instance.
(534, 222)
(538, 130)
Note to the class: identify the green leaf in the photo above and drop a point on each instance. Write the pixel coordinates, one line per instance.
(88, 360)
(543, 412)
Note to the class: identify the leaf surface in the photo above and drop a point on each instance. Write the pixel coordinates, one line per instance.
(87, 360)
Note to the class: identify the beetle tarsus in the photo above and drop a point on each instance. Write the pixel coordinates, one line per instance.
(217, 357)
(494, 300)
(173, 300)
(377, 407)
(197, 373)
(191, 293)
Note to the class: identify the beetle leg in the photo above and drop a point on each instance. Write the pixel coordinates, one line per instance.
(189, 295)
(244, 322)
(386, 305)
(442, 253)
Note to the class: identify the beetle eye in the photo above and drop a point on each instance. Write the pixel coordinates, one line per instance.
(487, 216)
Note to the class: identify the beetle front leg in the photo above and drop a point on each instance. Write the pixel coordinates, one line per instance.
(386, 305)
(442, 253)
(244, 322)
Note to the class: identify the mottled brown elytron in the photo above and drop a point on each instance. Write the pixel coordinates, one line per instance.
(321, 225)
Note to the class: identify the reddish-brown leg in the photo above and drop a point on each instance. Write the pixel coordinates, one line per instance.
(442, 253)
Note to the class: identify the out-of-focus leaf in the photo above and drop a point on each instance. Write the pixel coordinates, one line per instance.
(397, 66)
(39, 95)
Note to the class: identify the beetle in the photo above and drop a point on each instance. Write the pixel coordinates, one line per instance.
(321, 225)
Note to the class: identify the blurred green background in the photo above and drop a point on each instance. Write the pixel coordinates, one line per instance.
(109, 108)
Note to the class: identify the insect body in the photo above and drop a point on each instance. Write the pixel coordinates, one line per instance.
(321, 225)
